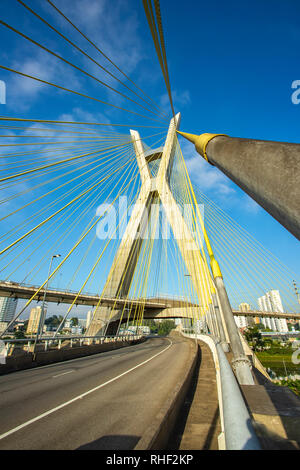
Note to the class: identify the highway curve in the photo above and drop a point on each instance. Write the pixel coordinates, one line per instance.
(104, 401)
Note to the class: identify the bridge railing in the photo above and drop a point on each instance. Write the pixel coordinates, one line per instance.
(57, 342)
(237, 429)
(49, 288)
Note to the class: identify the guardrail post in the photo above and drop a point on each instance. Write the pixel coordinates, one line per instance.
(240, 362)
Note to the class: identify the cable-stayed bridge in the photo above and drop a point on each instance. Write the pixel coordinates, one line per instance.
(112, 208)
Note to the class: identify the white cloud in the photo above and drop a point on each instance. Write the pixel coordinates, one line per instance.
(250, 205)
(23, 91)
(181, 99)
(204, 175)
(113, 30)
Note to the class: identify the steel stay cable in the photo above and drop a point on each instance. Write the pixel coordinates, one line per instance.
(93, 268)
(63, 184)
(209, 284)
(49, 169)
(262, 270)
(137, 276)
(156, 143)
(73, 65)
(120, 192)
(90, 140)
(236, 248)
(158, 46)
(202, 299)
(62, 161)
(37, 160)
(8, 69)
(119, 288)
(244, 235)
(104, 55)
(6, 118)
(46, 129)
(50, 217)
(53, 273)
(65, 206)
(68, 231)
(257, 257)
(52, 204)
(110, 160)
(12, 184)
(145, 274)
(74, 148)
(164, 56)
(74, 209)
(44, 210)
(80, 138)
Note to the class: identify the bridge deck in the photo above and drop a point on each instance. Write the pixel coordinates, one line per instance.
(153, 307)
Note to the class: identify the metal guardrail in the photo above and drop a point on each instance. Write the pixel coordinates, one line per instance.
(57, 341)
(236, 423)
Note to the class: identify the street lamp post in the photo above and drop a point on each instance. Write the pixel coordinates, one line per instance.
(42, 317)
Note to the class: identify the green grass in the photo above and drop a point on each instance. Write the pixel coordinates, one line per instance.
(275, 360)
(294, 385)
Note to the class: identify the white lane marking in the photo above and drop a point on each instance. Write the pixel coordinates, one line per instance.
(63, 373)
(79, 397)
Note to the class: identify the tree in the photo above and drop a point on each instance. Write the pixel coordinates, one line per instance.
(54, 320)
(254, 338)
(19, 335)
(74, 321)
(165, 327)
(152, 325)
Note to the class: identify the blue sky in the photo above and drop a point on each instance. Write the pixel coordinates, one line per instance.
(231, 67)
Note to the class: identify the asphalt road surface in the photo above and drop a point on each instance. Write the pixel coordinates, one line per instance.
(104, 401)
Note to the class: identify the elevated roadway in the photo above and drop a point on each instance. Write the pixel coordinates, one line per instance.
(106, 401)
(153, 307)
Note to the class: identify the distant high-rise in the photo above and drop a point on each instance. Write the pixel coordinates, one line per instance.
(244, 307)
(242, 321)
(271, 302)
(7, 309)
(34, 320)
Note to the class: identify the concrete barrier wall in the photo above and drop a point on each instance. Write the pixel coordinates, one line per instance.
(157, 435)
(27, 360)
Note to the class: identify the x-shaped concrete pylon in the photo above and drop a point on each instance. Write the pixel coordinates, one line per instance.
(122, 271)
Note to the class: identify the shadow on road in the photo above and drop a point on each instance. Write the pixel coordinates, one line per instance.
(114, 442)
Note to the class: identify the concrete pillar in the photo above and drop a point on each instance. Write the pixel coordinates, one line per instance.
(268, 171)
